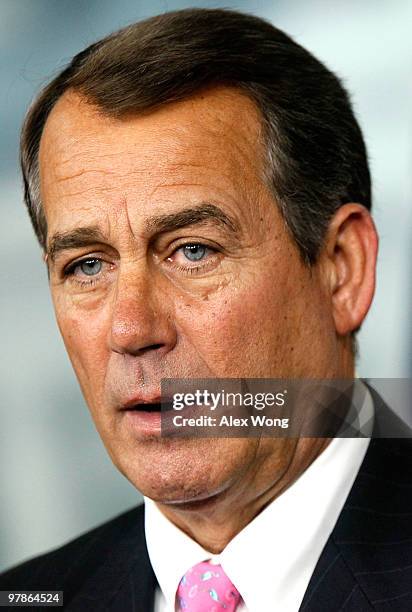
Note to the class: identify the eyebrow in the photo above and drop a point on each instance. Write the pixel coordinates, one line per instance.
(73, 239)
(190, 216)
(84, 236)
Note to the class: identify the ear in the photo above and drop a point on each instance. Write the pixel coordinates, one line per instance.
(351, 250)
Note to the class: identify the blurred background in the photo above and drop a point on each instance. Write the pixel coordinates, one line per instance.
(56, 480)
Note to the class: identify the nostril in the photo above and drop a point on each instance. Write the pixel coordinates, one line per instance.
(150, 347)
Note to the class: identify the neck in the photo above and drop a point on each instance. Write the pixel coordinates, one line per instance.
(213, 522)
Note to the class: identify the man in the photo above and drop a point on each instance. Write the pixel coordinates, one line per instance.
(200, 188)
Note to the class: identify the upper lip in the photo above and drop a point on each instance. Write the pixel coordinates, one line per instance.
(139, 400)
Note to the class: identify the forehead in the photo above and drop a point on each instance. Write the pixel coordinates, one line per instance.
(76, 128)
(211, 141)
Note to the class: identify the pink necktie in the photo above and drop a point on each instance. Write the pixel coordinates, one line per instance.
(206, 588)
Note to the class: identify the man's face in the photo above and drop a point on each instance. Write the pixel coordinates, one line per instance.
(168, 258)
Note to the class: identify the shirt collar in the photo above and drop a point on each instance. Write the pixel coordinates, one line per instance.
(171, 551)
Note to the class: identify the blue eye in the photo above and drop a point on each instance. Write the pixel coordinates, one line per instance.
(194, 252)
(90, 267)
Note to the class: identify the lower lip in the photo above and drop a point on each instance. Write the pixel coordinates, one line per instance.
(144, 423)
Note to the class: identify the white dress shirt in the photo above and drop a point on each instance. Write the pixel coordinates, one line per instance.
(272, 559)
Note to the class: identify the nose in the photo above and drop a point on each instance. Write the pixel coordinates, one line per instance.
(141, 317)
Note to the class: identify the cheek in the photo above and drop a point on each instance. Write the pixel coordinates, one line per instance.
(237, 329)
(85, 337)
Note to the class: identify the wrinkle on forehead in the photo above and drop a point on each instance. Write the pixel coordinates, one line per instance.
(209, 143)
(82, 125)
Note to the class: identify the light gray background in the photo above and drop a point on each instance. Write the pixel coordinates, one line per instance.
(56, 480)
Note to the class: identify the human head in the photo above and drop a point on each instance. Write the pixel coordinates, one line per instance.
(275, 301)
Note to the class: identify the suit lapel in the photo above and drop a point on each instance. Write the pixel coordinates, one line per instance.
(123, 578)
(365, 564)
(333, 586)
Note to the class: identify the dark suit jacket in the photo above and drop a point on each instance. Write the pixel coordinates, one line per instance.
(366, 563)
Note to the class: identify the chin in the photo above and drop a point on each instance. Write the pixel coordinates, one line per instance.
(187, 473)
(178, 489)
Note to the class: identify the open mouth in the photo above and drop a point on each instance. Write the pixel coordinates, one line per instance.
(153, 407)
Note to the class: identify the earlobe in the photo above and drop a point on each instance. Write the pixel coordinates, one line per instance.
(351, 246)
